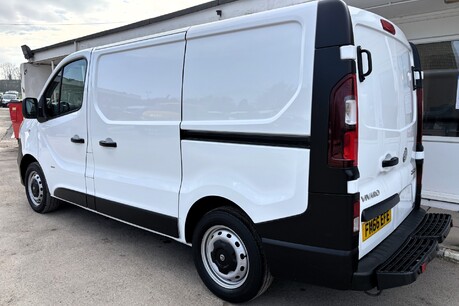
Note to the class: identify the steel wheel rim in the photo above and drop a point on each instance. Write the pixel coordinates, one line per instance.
(35, 188)
(223, 235)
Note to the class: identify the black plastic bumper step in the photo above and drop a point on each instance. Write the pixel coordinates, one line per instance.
(407, 263)
(401, 257)
(434, 226)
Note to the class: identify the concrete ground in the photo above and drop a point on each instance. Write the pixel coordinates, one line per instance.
(73, 256)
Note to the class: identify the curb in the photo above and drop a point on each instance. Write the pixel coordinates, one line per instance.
(448, 254)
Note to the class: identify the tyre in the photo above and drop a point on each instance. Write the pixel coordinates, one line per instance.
(37, 190)
(229, 257)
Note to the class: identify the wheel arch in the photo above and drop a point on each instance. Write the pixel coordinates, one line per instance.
(203, 206)
(25, 162)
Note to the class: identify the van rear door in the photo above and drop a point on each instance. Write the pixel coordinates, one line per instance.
(387, 127)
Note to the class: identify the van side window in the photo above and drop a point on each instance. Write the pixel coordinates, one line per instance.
(65, 93)
(52, 96)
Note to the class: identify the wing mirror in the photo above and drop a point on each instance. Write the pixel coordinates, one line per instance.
(33, 109)
(29, 108)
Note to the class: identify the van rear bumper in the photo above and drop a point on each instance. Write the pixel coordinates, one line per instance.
(320, 266)
(403, 256)
(415, 241)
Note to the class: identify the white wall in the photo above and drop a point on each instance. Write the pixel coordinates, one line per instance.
(33, 79)
(441, 169)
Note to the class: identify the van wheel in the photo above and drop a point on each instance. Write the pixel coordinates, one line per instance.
(228, 256)
(37, 190)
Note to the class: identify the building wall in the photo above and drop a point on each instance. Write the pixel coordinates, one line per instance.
(33, 78)
(441, 170)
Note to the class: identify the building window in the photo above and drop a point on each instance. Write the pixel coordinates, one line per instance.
(440, 62)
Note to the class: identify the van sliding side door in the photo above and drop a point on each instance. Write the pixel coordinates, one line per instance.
(135, 131)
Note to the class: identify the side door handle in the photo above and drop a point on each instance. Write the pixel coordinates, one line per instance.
(390, 162)
(107, 143)
(77, 139)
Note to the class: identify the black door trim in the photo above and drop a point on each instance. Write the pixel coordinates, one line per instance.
(290, 141)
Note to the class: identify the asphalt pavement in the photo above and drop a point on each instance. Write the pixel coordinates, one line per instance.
(75, 257)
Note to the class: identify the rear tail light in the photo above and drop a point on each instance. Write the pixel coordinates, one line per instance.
(343, 124)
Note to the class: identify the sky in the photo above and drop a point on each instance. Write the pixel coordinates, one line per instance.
(39, 23)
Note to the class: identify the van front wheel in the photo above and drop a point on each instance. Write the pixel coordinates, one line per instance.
(229, 257)
(37, 190)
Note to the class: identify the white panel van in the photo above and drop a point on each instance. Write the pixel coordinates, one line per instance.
(285, 143)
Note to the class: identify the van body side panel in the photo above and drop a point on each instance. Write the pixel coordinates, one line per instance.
(321, 238)
(136, 94)
(251, 74)
(246, 112)
(263, 181)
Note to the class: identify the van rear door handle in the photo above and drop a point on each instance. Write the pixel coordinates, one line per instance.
(107, 143)
(363, 75)
(77, 139)
(390, 162)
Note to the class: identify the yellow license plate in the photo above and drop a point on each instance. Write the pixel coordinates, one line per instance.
(375, 225)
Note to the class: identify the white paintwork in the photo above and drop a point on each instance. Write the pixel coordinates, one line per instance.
(353, 186)
(348, 52)
(224, 60)
(418, 155)
(387, 121)
(28, 135)
(263, 181)
(135, 91)
(62, 161)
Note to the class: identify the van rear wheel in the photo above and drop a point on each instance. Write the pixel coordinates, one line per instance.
(228, 256)
(37, 190)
